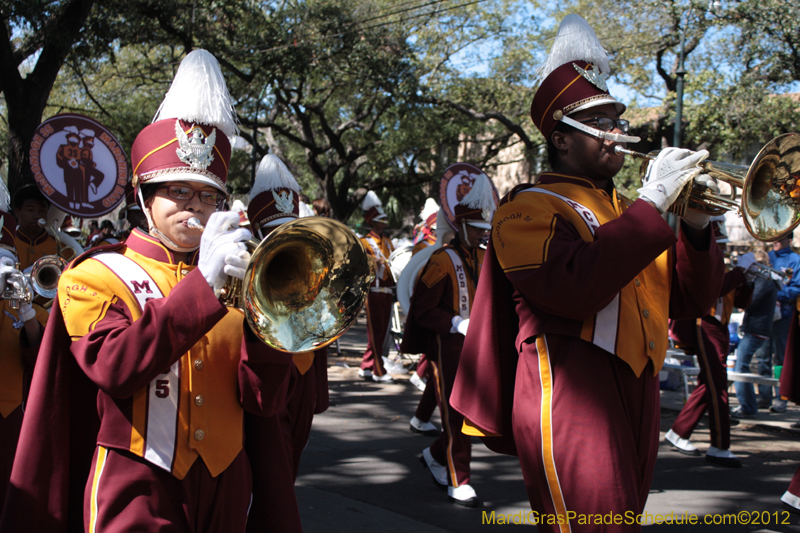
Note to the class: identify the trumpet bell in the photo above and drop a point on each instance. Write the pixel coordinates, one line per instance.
(771, 192)
(305, 284)
(45, 274)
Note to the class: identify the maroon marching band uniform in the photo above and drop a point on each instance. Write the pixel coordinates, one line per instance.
(428, 330)
(790, 389)
(379, 305)
(17, 360)
(427, 403)
(61, 426)
(708, 338)
(596, 418)
(274, 444)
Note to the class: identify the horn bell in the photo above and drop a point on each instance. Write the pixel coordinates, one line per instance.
(305, 284)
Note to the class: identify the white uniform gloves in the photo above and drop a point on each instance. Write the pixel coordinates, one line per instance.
(667, 175)
(222, 251)
(7, 263)
(460, 325)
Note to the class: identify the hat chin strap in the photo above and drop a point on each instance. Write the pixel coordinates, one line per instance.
(600, 134)
(155, 232)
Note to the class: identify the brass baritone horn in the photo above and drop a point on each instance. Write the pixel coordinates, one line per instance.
(770, 198)
(304, 285)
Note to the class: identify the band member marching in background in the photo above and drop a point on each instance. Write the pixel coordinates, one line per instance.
(709, 340)
(20, 334)
(421, 421)
(561, 365)
(168, 368)
(32, 241)
(274, 444)
(436, 325)
(381, 293)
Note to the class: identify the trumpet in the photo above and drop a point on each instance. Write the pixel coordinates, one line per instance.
(767, 272)
(22, 288)
(770, 197)
(304, 285)
(17, 290)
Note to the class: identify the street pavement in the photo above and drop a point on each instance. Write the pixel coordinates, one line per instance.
(361, 470)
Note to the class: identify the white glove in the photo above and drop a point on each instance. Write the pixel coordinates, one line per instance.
(7, 262)
(26, 312)
(666, 176)
(460, 325)
(220, 248)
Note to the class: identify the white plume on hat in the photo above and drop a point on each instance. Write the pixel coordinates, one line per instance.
(5, 197)
(238, 206)
(430, 208)
(575, 41)
(371, 200)
(481, 196)
(198, 94)
(304, 210)
(273, 174)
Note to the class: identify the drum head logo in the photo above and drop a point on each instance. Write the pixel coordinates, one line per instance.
(457, 181)
(79, 165)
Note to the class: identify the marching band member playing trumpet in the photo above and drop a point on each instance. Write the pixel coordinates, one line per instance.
(274, 444)
(561, 365)
(20, 333)
(381, 293)
(32, 240)
(168, 370)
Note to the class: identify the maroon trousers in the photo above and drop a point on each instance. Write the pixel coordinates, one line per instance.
(10, 427)
(711, 394)
(274, 446)
(451, 448)
(428, 401)
(586, 430)
(126, 493)
(379, 314)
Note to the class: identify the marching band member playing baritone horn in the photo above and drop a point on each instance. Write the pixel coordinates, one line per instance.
(170, 369)
(274, 444)
(561, 365)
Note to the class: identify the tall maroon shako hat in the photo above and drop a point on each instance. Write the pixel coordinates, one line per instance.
(8, 224)
(573, 77)
(373, 208)
(275, 197)
(478, 206)
(190, 137)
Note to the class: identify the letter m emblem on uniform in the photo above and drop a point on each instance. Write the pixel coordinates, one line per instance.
(139, 286)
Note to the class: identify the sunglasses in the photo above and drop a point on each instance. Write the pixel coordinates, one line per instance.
(184, 193)
(608, 124)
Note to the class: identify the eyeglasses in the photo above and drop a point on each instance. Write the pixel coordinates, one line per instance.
(181, 192)
(608, 124)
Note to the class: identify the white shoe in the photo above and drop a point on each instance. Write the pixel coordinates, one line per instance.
(417, 381)
(463, 495)
(426, 428)
(364, 374)
(722, 457)
(386, 378)
(684, 446)
(437, 470)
